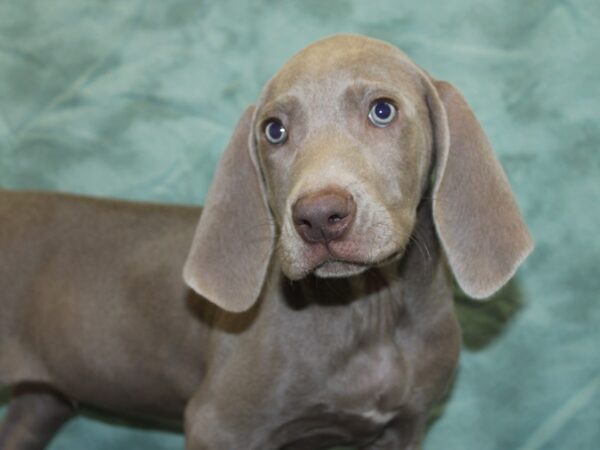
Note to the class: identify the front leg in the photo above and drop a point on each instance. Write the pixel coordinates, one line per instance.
(224, 421)
(233, 408)
(34, 415)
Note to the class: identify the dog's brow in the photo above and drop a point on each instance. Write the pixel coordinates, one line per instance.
(366, 87)
(283, 105)
(371, 90)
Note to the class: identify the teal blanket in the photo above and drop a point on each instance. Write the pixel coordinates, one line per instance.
(136, 99)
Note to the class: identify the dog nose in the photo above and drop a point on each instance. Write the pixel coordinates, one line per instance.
(323, 216)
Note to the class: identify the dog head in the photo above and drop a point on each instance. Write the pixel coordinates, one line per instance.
(326, 172)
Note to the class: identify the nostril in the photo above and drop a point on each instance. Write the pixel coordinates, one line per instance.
(335, 218)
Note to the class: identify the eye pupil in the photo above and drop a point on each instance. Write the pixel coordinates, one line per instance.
(383, 110)
(275, 132)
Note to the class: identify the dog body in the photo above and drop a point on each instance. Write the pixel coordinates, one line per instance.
(93, 304)
(320, 310)
(134, 339)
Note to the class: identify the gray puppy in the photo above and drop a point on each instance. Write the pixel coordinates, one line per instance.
(342, 200)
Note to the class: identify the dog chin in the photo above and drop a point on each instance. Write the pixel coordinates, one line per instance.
(338, 269)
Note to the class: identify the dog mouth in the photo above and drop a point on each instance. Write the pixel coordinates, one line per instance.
(340, 258)
(331, 265)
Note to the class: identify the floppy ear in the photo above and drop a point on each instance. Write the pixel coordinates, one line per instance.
(476, 216)
(234, 239)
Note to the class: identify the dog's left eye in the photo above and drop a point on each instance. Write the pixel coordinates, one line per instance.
(382, 113)
(275, 132)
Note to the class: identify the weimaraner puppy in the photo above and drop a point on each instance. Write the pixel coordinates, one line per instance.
(320, 311)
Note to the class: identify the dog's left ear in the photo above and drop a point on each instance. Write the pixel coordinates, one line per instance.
(475, 214)
(235, 236)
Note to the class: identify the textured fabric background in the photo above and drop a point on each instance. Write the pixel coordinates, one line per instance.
(136, 99)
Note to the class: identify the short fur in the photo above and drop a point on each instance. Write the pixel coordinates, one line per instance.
(288, 345)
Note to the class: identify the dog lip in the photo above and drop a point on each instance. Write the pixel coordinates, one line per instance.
(333, 258)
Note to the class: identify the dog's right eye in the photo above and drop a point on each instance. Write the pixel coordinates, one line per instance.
(275, 132)
(382, 113)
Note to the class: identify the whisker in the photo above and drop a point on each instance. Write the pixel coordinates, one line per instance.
(423, 249)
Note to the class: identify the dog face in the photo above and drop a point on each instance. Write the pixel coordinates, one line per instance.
(343, 138)
(327, 171)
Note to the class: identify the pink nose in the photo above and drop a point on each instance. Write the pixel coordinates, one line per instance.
(323, 216)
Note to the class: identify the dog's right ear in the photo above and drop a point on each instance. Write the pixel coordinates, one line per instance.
(475, 213)
(234, 240)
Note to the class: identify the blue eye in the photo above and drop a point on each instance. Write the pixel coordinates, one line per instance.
(382, 113)
(275, 132)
